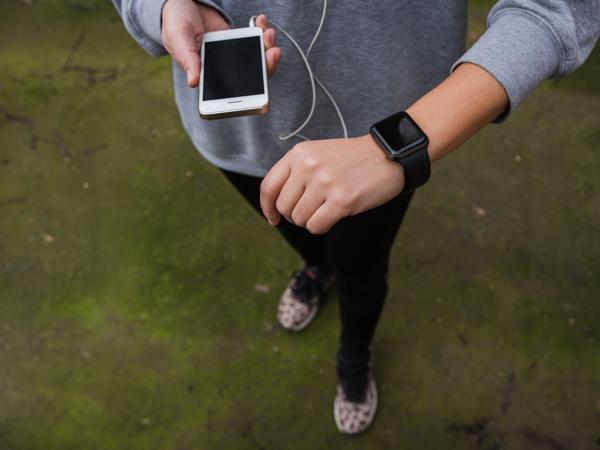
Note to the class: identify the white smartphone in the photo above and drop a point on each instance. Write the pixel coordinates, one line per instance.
(233, 78)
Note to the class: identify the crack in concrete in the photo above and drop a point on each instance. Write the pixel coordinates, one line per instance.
(14, 118)
(93, 74)
(508, 393)
(12, 201)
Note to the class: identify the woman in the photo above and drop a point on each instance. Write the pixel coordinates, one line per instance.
(343, 200)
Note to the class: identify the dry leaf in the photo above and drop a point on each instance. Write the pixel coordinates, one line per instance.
(262, 288)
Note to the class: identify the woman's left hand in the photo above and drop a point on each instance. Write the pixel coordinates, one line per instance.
(317, 183)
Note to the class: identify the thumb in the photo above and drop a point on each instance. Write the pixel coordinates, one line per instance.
(192, 68)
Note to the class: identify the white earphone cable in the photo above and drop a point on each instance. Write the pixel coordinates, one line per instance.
(321, 85)
(312, 77)
(321, 23)
(312, 83)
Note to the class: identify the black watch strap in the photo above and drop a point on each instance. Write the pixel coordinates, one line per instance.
(417, 169)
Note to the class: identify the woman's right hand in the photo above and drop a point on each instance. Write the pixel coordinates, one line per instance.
(184, 23)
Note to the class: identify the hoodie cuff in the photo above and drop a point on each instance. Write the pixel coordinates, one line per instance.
(145, 18)
(520, 50)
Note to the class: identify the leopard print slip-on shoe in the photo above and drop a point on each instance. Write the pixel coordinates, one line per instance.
(353, 417)
(300, 301)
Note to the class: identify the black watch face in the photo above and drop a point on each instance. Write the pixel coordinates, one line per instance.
(401, 134)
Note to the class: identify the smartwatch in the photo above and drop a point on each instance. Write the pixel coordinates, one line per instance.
(403, 141)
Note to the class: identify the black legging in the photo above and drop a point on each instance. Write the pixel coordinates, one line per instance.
(357, 249)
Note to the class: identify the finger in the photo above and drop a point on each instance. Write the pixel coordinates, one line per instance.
(273, 56)
(306, 207)
(262, 22)
(269, 34)
(271, 187)
(184, 46)
(270, 38)
(324, 218)
(289, 195)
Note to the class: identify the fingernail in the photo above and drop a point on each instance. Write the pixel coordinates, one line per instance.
(189, 76)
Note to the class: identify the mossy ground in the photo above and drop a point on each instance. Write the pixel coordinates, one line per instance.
(129, 317)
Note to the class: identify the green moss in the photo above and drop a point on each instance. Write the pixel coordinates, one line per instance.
(128, 311)
(587, 81)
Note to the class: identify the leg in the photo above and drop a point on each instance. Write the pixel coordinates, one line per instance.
(359, 249)
(310, 247)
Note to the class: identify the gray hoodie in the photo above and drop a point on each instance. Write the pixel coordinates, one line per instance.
(376, 58)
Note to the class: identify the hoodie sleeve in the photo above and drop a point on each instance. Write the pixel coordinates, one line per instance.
(530, 41)
(142, 19)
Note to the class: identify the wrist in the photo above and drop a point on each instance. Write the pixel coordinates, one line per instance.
(460, 106)
(423, 116)
(387, 165)
(374, 148)
(405, 144)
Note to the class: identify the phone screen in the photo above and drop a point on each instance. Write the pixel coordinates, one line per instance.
(232, 68)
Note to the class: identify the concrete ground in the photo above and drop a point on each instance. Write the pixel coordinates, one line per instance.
(138, 291)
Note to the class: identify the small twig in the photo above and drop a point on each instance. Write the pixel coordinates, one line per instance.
(541, 439)
(81, 5)
(72, 52)
(33, 142)
(13, 118)
(476, 429)
(62, 146)
(96, 75)
(92, 74)
(91, 150)
(42, 75)
(508, 392)
(248, 433)
(418, 265)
